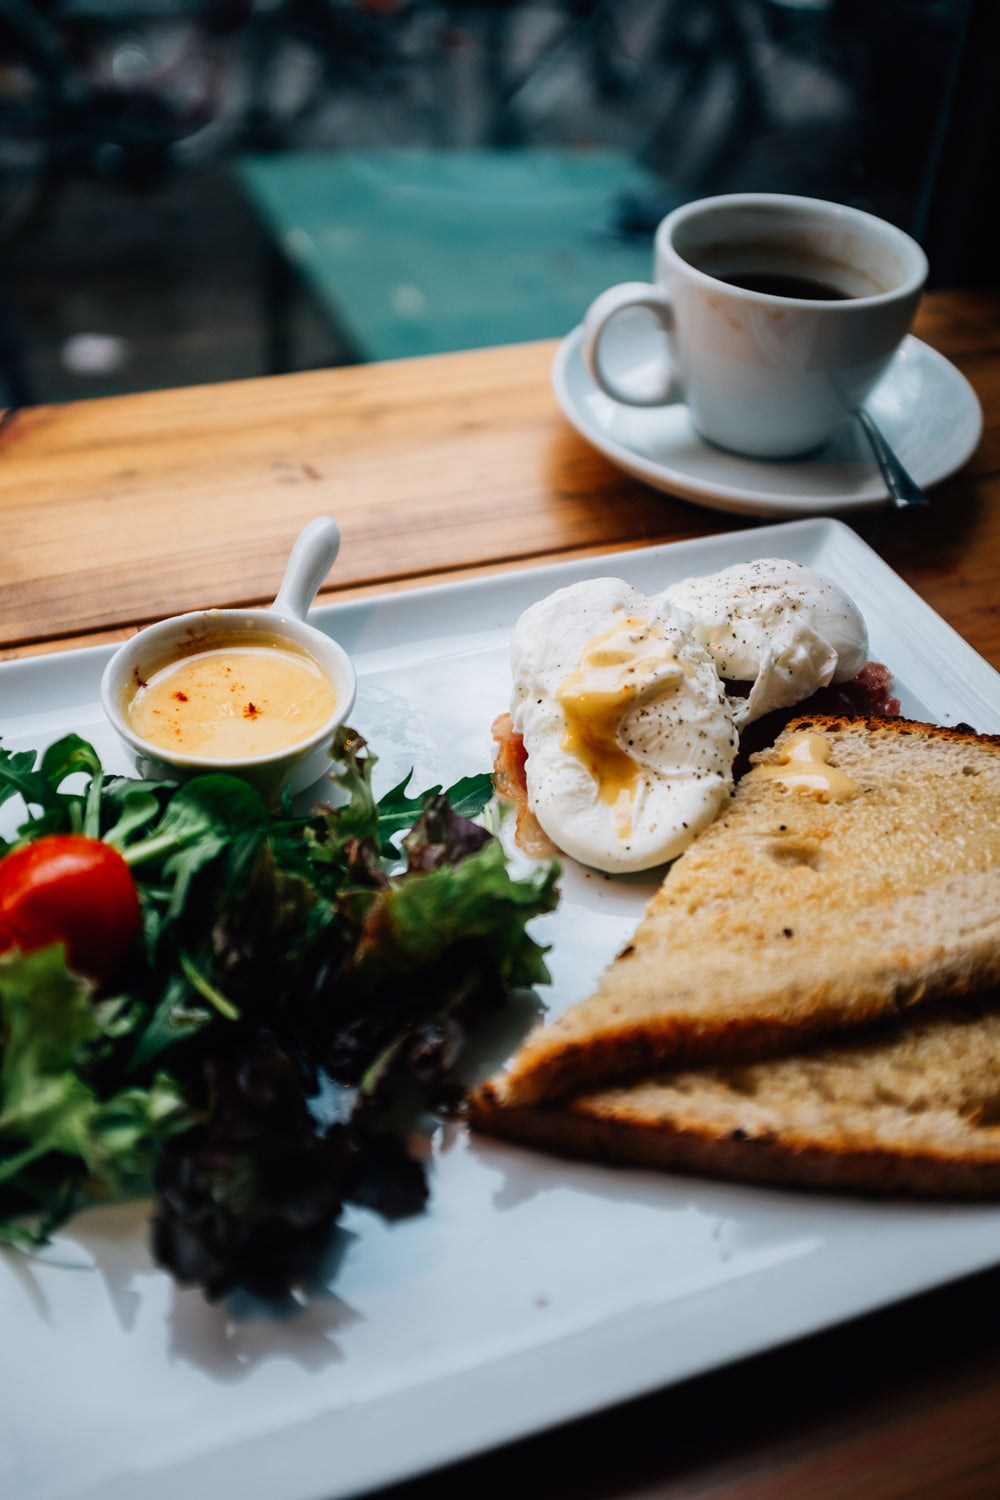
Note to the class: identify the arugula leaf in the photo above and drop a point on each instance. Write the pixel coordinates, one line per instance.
(40, 787)
(207, 810)
(17, 776)
(468, 796)
(132, 805)
(397, 812)
(63, 759)
(202, 819)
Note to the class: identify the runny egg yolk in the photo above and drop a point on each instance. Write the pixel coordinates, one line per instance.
(614, 668)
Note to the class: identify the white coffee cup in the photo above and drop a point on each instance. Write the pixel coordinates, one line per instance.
(764, 373)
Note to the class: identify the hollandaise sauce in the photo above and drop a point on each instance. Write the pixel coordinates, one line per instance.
(233, 700)
(804, 767)
(615, 668)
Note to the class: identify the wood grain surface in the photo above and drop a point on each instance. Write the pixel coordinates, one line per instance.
(116, 512)
(121, 511)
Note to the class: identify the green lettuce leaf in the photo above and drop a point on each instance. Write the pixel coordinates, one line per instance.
(53, 1115)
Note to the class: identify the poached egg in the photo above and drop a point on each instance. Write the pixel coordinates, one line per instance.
(628, 730)
(621, 699)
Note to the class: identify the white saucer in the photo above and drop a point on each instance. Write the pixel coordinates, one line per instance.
(927, 409)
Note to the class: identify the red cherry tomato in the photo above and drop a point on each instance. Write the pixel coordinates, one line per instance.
(68, 888)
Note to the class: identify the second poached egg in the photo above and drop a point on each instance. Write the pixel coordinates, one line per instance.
(778, 625)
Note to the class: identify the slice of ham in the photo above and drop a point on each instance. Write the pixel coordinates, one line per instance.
(511, 782)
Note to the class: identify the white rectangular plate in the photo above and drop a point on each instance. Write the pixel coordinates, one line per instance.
(532, 1290)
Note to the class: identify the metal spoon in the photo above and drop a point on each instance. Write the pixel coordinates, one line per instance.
(903, 488)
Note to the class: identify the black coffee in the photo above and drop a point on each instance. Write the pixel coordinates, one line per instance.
(777, 284)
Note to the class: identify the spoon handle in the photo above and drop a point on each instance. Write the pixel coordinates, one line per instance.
(903, 488)
(310, 560)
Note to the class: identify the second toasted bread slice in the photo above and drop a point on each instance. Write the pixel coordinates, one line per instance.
(910, 1107)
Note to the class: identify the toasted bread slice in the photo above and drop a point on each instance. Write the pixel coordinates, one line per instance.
(912, 1106)
(798, 914)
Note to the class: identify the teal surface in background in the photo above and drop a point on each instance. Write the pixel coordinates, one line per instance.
(422, 252)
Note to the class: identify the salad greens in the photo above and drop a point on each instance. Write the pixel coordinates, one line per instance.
(299, 1003)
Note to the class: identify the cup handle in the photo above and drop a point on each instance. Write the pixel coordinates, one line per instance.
(600, 313)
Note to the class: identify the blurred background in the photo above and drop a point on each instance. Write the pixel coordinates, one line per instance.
(202, 190)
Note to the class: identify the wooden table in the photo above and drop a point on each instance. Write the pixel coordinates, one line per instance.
(115, 512)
